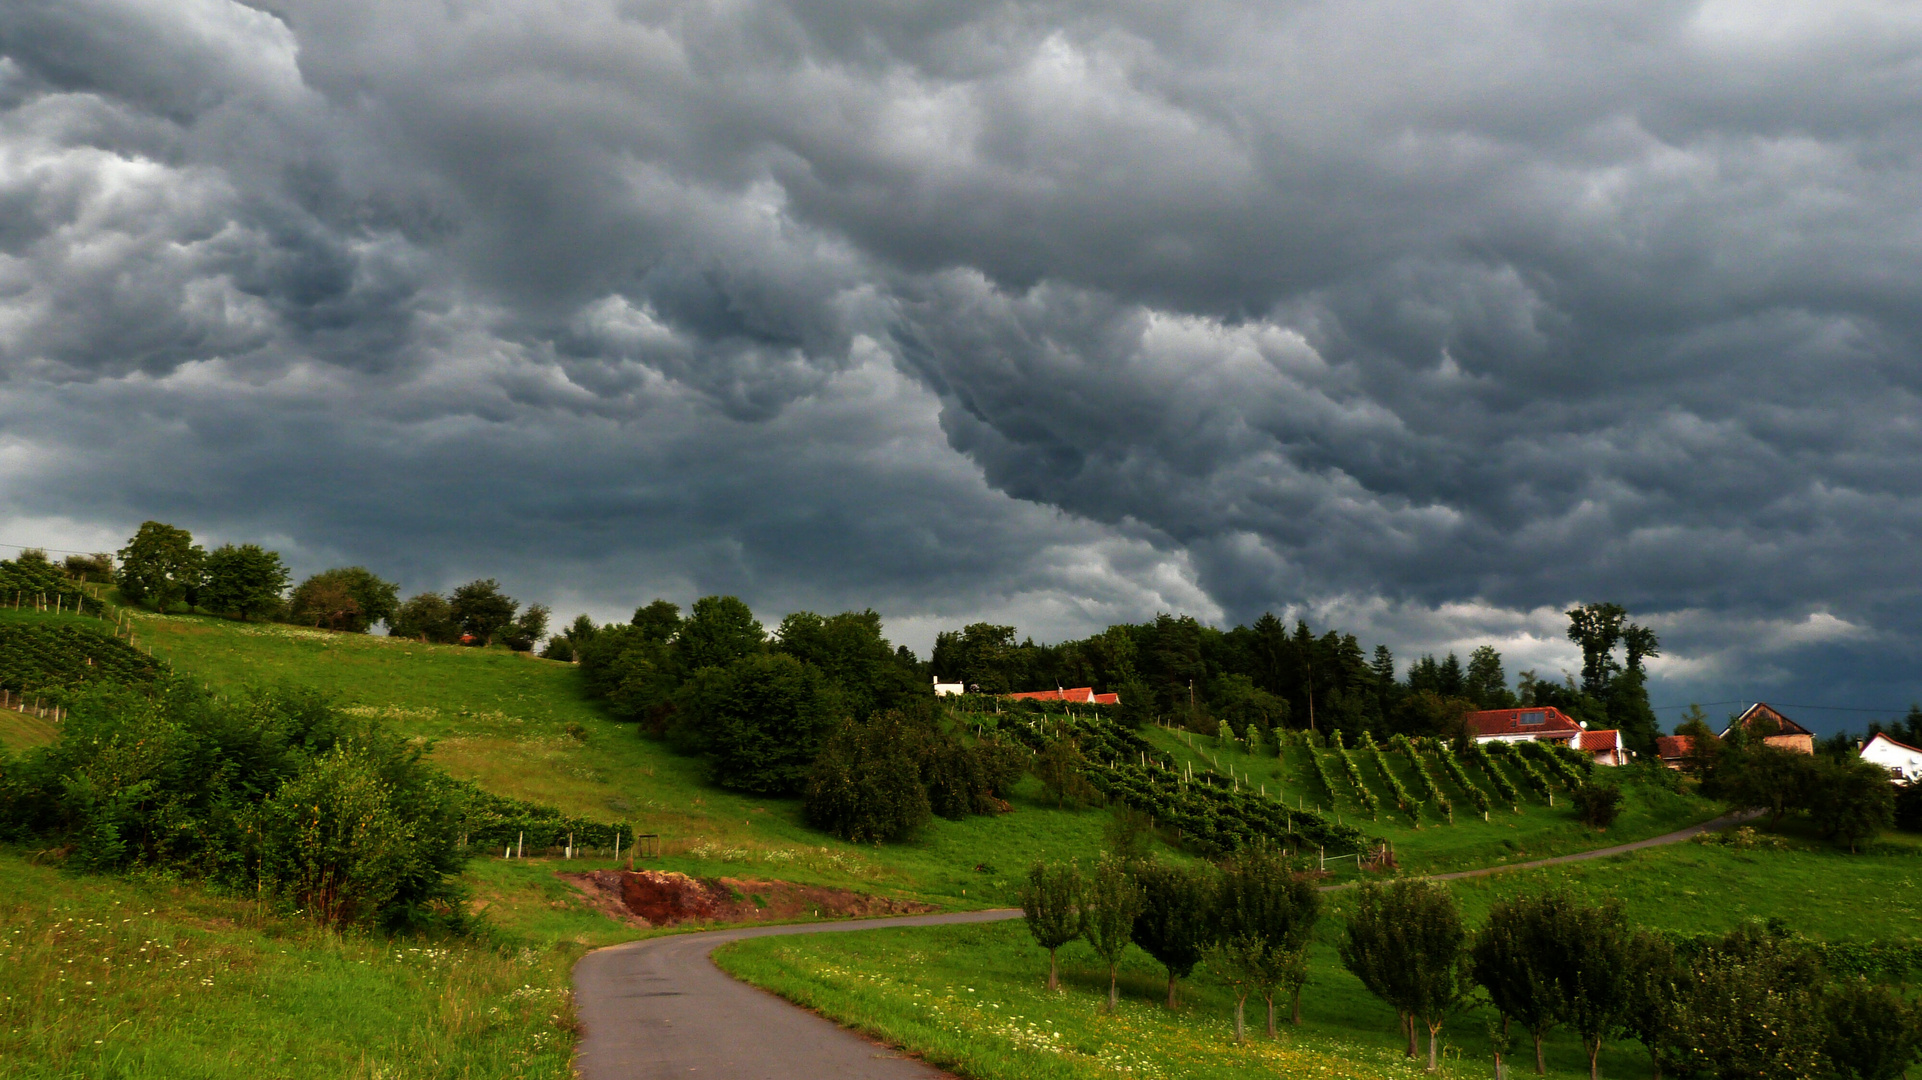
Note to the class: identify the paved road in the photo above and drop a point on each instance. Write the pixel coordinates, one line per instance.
(660, 1008)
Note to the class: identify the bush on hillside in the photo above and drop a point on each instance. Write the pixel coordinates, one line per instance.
(1597, 805)
(427, 617)
(275, 793)
(350, 599)
(866, 786)
(760, 721)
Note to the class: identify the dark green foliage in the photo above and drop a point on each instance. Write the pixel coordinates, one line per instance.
(1406, 944)
(1265, 916)
(529, 627)
(1851, 801)
(865, 786)
(30, 582)
(1063, 771)
(1873, 1033)
(719, 631)
(848, 648)
(559, 647)
(42, 656)
(957, 776)
(632, 670)
(276, 793)
(427, 617)
(1751, 1006)
(1597, 805)
(1176, 920)
(1595, 979)
(481, 610)
(348, 598)
(1486, 684)
(96, 568)
(1052, 904)
(1514, 957)
(245, 581)
(160, 565)
(1128, 834)
(1112, 903)
(1908, 807)
(760, 721)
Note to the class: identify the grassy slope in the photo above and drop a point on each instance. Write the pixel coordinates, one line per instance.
(947, 993)
(124, 978)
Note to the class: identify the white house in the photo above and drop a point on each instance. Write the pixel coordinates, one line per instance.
(1904, 762)
(947, 689)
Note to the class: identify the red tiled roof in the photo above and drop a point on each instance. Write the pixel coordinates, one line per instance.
(1079, 693)
(1552, 722)
(1598, 741)
(1671, 747)
(1107, 699)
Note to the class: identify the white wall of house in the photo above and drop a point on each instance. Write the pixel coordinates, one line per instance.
(1903, 761)
(947, 689)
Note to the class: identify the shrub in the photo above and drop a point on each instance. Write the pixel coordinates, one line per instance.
(1597, 805)
(426, 616)
(348, 598)
(866, 784)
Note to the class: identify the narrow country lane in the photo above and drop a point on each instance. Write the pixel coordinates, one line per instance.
(660, 1008)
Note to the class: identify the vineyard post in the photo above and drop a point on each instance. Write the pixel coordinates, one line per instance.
(520, 846)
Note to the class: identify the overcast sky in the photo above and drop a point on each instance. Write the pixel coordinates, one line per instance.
(1424, 321)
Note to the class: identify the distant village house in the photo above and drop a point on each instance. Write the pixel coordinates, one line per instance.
(1774, 729)
(1083, 694)
(1903, 761)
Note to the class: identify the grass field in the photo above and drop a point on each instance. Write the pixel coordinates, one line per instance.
(129, 978)
(973, 997)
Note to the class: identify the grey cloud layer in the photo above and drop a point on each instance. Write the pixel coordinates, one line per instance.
(1327, 305)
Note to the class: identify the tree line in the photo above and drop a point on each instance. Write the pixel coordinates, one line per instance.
(1755, 1002)
(1265, 676)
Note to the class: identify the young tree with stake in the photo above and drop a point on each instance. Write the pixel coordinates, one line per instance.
(1112, 903)
(1051, 901)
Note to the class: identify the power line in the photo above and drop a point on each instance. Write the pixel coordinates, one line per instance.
(43, 547)
(1785, 705)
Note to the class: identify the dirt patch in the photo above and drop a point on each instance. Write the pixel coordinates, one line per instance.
(665, 898)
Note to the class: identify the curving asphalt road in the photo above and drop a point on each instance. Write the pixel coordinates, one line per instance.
(660, 1008)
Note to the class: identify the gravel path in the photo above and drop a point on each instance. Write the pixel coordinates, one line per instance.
(660, 1008)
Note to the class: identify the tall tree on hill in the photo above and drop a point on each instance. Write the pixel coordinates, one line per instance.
(160, 565)
(979, 655)
(244, 581)
(1406, 943)
(850, 651)
(1513, 957)
(761, 720)
(719, 631)
(658, 621)
(482, 609)
(1052, 904)
(1113, 901)
(1176, 920)
(1486, 684)
(427, 617)
(348, 598)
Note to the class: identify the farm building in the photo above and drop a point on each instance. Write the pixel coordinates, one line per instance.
(1774, 729)
(1674, 750)
(1903, 761)
(947, 689)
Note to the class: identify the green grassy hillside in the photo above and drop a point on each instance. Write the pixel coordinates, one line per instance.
(973, 998)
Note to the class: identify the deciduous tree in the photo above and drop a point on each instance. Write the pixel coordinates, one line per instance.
(1052, 904)
(246, 581)
(1114, 901)
(1176, 918)
(160, 565)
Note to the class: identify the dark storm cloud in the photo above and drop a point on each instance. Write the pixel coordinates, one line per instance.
(1432, 319)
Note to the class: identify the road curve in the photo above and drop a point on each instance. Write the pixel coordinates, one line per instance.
(660, 1008)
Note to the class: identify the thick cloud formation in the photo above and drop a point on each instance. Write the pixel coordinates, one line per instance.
(1426, 322)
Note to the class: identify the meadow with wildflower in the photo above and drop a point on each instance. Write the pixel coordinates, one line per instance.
(141, 977)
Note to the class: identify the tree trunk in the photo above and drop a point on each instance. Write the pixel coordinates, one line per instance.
(1114, 990)
(1434, 1030)
(1241, 1031)
(1053, 982)
(1594, 1059)
(1541, 1068)
(1296, 1019)
(1270, 999)
(1408, 1029)
(1171, 989)
(1499, 1074)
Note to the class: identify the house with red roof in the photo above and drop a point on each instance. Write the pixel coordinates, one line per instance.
(1674, 750)
(1545, 723)
(1082, 694)
(1903, 761)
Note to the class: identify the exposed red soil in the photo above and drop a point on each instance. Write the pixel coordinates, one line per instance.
(667, 898)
